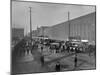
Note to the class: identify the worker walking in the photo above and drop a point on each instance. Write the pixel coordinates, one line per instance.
(58, 67)
(42, 60)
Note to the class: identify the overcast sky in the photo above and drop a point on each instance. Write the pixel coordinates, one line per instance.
(45, 14)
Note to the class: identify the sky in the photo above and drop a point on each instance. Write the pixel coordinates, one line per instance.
(45, 14)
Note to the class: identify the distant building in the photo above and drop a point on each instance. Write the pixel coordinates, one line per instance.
(41, 31)
(34, 33)
(17, 34)
(82, 27)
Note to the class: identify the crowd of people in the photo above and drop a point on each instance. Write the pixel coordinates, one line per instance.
(59, 46)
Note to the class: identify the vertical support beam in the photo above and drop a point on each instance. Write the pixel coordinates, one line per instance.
(84, 32)
(69, 23)
(30, 24)
(88, 33)
(43, 33)
(80, 31)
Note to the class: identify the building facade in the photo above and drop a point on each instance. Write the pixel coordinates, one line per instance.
(17, 34)
(83, 27)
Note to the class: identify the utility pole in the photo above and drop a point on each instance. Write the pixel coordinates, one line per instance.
(69, 23)
(30, 24)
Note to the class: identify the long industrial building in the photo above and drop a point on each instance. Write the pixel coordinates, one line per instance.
(83, 27)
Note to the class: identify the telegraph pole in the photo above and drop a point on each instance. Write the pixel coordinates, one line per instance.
(30, 24)
(69, 22)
